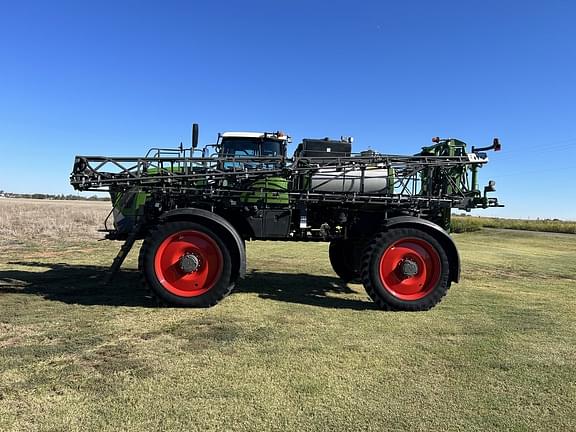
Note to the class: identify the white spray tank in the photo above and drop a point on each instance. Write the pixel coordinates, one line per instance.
(376, 179)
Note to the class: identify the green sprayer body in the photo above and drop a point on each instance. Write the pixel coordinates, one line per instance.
(386, 217)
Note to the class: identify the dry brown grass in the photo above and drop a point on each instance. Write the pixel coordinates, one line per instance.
(22, 220)
(462, 224)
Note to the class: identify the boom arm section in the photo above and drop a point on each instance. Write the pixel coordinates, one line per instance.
(420, 181)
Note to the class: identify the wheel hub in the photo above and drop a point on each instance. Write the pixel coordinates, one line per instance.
(408, 268)
(189, 263)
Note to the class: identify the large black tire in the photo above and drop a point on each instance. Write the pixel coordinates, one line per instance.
(342, 258)
(186, 264)
(405, 269)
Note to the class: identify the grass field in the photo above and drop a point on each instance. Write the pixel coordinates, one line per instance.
(462, 224)
(291, 349)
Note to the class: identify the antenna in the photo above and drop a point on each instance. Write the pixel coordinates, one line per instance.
(194, 135)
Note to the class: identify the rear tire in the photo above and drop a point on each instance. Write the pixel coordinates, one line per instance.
(342, 258)
(186, 264)
(405, 269)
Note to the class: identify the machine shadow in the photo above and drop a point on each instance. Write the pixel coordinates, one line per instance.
(83, 285)
(75, 284)
(302, 288)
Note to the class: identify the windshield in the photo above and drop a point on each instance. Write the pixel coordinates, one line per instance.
(239, 147)
(250, 147)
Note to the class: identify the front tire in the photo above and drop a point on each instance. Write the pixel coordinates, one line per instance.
(405, 269)
(186, 264)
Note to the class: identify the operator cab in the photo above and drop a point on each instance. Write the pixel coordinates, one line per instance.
(253, 150)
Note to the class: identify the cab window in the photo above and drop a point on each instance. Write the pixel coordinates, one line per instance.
(240, 148)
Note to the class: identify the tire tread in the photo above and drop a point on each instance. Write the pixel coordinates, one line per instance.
(386, 302)
(146, 255)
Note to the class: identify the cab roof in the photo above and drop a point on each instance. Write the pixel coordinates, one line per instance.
(242, 135)
(271, 135)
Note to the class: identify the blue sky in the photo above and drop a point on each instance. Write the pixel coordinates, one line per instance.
(119, 77)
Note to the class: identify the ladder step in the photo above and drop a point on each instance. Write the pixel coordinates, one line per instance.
(122, 254)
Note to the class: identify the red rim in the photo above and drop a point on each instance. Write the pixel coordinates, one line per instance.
(203, 268)
(410, 268)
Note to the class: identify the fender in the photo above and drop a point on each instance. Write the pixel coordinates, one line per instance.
(217, 223)
(437, 232)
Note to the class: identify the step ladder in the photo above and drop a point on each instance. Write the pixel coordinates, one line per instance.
(123, 253)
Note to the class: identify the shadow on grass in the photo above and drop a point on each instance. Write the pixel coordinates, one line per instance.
(83, 284)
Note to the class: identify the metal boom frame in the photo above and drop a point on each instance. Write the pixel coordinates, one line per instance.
(415, 178)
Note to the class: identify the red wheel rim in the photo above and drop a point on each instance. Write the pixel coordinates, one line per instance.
(203, 266)
(410, 268)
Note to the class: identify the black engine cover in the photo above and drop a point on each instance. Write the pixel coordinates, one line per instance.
(323, 148)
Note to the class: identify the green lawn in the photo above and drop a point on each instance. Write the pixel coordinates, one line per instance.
(292, 348)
